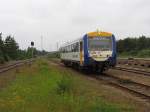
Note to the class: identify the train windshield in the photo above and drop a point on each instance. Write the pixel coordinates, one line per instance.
(100, 43)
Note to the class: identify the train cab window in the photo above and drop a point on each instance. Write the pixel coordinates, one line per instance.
(100, 43)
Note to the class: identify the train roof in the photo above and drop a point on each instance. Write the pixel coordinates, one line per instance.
(90, 34)
(71, 42)
(101, 34)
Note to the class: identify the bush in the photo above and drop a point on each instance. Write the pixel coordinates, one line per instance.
(137, 54)
(2, 60)
(65, 85)
(54, 55)
(144, 53)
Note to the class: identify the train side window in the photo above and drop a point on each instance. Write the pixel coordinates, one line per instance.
(69, 48)
(60, 50)
(65, 49)
(73, 48)
(77, 44)
(76, 47)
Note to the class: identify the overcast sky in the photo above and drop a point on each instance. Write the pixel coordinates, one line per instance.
(66, 20)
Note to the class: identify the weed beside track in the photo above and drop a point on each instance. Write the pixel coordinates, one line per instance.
(44, 87)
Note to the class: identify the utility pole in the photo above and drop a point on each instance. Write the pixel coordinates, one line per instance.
(50, 47)
(41, 43)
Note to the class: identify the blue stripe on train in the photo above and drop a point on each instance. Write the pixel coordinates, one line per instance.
(85, 46)
(114, 53)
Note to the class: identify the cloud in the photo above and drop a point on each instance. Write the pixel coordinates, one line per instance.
(65, 20)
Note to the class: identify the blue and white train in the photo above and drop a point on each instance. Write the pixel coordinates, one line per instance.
(95, 51)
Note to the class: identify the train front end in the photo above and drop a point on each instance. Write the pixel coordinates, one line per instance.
(100, 50)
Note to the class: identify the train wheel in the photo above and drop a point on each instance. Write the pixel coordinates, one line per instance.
(100, 70)
(66, 64)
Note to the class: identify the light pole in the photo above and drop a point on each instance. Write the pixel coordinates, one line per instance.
(41, 43)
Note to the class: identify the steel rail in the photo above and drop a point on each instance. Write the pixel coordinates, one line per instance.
(121, 86)
(116, 84)
(132, 70)
(12, 66)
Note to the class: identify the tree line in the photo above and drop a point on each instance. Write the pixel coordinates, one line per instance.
(134, 47)
(9, 50)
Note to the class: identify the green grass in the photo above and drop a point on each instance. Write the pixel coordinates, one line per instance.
(135, 54)
(44, 88)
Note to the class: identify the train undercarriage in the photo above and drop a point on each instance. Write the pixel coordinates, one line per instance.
(93, 66)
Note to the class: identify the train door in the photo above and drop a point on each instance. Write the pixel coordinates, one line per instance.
(81, 52)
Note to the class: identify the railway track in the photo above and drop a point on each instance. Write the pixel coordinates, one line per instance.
(14, 65)
(126, 59)
(137, 89)
(133, 70)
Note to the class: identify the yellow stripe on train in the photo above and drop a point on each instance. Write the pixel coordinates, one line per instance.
(101, 34)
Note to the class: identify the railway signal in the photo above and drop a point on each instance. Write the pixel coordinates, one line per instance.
(32, 44)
